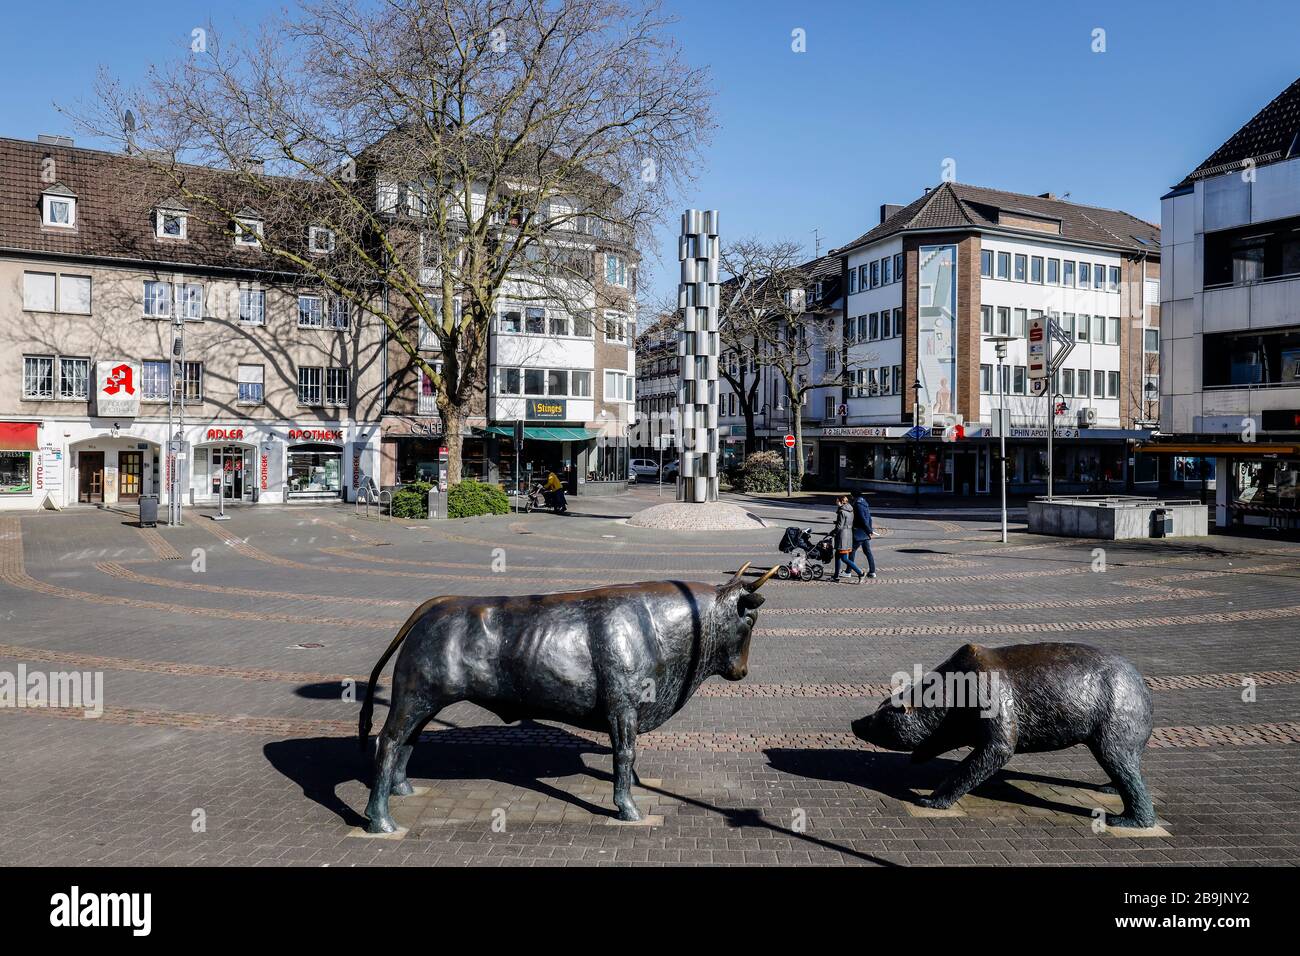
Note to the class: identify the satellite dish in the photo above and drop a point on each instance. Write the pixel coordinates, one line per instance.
(128, 122)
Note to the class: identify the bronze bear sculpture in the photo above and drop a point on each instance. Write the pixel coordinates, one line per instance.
(620, 659)
(1044, 697)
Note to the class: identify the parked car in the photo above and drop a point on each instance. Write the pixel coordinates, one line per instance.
(670, 471)
(643, 468)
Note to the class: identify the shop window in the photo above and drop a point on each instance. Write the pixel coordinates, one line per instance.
(15, 472)
(314, 471)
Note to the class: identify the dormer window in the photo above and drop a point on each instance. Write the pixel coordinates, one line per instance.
(59, 207)
(248, 230)
(320, 239)
(171, 222)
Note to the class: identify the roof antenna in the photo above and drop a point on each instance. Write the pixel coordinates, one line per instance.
(817, 243)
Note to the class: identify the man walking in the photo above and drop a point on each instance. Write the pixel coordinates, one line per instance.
(863, 531)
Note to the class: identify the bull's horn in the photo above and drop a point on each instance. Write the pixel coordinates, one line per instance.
(751, 588)
(741, 573)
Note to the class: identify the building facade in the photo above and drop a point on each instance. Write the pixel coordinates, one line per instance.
(1230, 292)
(927, 286)
(104, 280)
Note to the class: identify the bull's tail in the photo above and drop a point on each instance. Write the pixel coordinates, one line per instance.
(368, 706)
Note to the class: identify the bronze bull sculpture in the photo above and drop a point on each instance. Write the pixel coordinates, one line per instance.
(620, 659)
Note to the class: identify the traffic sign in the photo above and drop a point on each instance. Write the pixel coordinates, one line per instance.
(917, 432)
(789, 441)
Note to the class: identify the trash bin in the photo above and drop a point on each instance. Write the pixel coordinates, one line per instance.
(437, 504)
(1162, 523)
(148, 511)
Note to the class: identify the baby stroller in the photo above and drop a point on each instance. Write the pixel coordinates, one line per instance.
(810, 557)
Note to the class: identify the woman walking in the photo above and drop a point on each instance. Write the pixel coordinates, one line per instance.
(844, 538)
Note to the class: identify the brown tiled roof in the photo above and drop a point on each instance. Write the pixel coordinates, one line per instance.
(1270, 135)
(116, 199)
(959, 206)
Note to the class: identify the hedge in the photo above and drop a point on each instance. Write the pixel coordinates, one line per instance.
(469, 498)
(762, 472)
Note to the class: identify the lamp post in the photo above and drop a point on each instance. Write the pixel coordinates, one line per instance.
(1000, 344)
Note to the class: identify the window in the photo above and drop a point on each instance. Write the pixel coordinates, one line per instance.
(1112, 283)
(898, 321)
(853, 281)
(1112, 385)
(886, 326)
(1085, 275)
(1082, 328)
(898, 267)
(615, 270)
(863, 278)
(1151, 340)
(1098, 383)
(1112, 331)
(1004, 265)
(339, 316)
(1022, 265)
(986, 263)
(1099, 330)
(189, 301)
(1067, 274)
(59, 211)
(986, 379)
(320, 240)
(1004, 320)
(1081, 383)
(252, 306)
(510, 320)
(1004, 376)
(38, 376)
(74, 379)
(615, 327)
(873, 326)
(582, 324)
(1253, 253)
(171, 224)
(336, 387)
(1018, 322)
(580, 382)
(534, 381)
(1036, 270)
(557, 382)
(1018, 379)
(1053, 271)
(39, 291)
(309, 385)
(986, 319)
(1067, 382)
(885, 263)
(250, 384)
(158, 299)
(155, 381)
(618, 386)
(875, 274)
(885, 388)
(535, 321)
(248, 232)
(311, 313)
(508, 381)
(557, 325)
(1099, 277)
(191, 384)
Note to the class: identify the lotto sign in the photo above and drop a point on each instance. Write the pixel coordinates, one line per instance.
(117, 393)
(789, 441)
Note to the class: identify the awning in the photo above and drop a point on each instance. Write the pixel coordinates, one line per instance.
(1236, 449)
(18, 436)
(544, 433)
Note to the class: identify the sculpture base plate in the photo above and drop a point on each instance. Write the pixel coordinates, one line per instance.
(647, 820)
(697, 516)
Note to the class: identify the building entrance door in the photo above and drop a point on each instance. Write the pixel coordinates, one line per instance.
(90, 476)
(130, 472)
(229, 468)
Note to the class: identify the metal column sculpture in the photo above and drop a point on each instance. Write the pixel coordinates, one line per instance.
(697, 351)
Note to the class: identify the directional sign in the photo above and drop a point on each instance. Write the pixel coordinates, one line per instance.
(1064, 343)
(917, 432)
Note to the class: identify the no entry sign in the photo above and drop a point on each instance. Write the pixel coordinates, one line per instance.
(789, 441)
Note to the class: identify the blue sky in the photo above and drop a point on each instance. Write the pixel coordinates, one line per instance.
(884, 93)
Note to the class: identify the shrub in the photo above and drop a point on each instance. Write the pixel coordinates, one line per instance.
(762, 472)
(412, 501)
(469, 498)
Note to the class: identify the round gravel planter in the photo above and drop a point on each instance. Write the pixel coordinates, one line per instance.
(705, 516)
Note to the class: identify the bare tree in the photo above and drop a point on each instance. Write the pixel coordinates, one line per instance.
(450, 151)
(769, 320)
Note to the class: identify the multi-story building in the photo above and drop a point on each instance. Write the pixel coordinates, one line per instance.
(104, 278)
(960, 264)
(1230, 293)
(657, 377)
(559, 358)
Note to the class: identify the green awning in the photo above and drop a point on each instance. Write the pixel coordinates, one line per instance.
(544, 433)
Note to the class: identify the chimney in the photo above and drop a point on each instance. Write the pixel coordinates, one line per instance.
(887, 210)
(1047, 195)
(50, 140)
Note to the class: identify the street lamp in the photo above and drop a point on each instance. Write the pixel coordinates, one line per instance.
(1000, 344)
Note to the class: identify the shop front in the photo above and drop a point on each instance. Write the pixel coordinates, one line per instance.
(224, 468)
(19, 451)
(570, 451)
(314, 464)
(1257, 484)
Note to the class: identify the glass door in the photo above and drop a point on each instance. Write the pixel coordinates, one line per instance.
(130, 470)
(229, 467)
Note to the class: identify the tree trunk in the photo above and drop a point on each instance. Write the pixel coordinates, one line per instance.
(750, 437)
(451, 418)
(796, 418)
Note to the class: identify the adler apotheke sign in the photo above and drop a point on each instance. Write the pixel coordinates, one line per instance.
(117, 389)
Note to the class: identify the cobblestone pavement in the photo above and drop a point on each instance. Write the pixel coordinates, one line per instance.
(232, 654)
